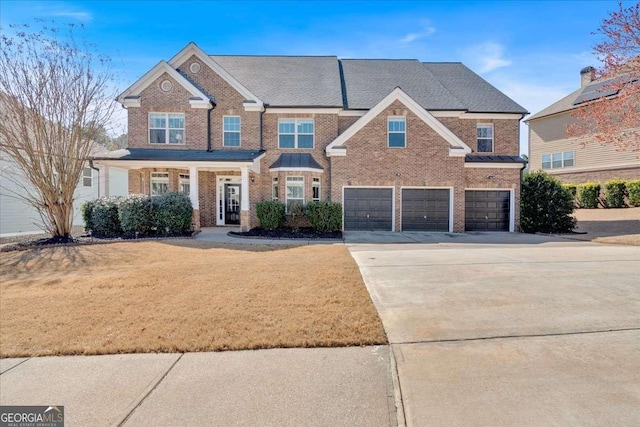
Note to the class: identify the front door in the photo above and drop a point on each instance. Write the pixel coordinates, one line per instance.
(232, 204)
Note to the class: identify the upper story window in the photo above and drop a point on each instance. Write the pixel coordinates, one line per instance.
(397, 131)
(87, 177)
(184, 183)
(484, 135)
(231, 131)
(558, 160)
(295, 133)
(166, 128)
(159, 183)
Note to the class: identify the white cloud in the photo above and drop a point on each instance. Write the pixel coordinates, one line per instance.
(486, 57)
(427, 30)
(73, 14)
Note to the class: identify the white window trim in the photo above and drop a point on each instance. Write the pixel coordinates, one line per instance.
(275, 184)
(313, 182)
(286, 196)
(183, 178)
(90, 177)
(158, 178)
(295, 133)
(562, 153)
(389, 132)
(166, 129)
(493, 137)
(239, 132)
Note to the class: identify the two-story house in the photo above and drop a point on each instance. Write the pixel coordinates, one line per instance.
(402, 144)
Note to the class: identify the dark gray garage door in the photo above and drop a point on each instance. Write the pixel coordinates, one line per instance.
(425, 209)
(368, 208)
(487, 210)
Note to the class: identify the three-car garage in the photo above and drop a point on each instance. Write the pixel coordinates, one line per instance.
(425, 209)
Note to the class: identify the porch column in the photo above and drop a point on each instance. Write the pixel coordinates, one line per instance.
(194, 196)
(244, 199)
(103, 181)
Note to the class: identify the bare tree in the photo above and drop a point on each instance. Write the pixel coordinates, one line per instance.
(56, 96)
(612, 115)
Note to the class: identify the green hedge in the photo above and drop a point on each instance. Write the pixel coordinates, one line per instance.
(545, 205)
(101, 216)
(271, 214)
(325, 216)
(588, 195)
(614, 193)
(135, 215)
(171, 213)
(633, 190)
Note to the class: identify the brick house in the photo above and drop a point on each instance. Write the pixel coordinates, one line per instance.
(551, 150)
(403, 145)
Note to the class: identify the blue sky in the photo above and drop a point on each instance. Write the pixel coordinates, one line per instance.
(532, 51)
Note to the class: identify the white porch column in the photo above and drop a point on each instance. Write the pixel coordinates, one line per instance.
(244, 194)
(103, 181)
(193, 187)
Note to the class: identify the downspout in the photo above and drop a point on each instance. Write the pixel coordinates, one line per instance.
(98, 170)
(261, 114)
(213, 105)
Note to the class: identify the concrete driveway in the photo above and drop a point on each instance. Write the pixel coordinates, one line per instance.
(507, 329)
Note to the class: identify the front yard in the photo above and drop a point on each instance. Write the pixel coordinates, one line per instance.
(181, 295)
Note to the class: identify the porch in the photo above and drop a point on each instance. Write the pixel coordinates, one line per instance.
(217, 182)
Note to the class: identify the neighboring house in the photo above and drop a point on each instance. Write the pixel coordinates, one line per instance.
(403, 145)
(551, 150)
(18, 217)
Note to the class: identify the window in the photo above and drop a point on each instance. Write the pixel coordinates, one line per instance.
(184, 184)
(166, 128)
(274, 189)
(87, 177)
(558, 160)
(159, 183)
(315, 189)
(295, 133)
(231, 131)
(295, 191)
(484, 134)
(396, 127)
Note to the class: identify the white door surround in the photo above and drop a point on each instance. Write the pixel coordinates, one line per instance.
(220, 197)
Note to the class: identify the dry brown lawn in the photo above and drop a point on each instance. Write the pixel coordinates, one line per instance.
(178, 296)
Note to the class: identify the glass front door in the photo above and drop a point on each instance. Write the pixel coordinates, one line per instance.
(232, 204)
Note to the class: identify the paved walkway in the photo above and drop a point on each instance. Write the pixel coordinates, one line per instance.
(279, 387)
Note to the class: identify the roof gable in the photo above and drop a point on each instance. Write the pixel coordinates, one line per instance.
(131, 96)
(456, 146)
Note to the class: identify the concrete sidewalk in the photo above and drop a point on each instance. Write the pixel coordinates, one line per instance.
(280, 387)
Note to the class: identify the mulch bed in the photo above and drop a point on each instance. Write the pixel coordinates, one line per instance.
(303, 233)
(53, 242)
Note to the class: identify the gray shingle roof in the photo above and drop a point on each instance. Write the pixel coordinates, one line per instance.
(296, 160)
(565, 104)
(288, 81)
(484, 158)
(473, 91)
(181, 155)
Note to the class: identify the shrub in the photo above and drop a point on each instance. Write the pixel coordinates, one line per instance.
(271, 214)
(86, 210)
(588, 194)
(633, 189)
(545, 205)
(614, 193)
(325, 216)
(172, 213)
(297, 217)
(135, 214)
(104, 217)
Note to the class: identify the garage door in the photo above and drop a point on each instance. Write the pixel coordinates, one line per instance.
(368, 208)
(487, 210)
(425, 209)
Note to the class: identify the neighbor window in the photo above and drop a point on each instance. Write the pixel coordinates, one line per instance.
(296, 133)
(166, 128)
(274, 189)
(396, 127)
(87, 177)
(315, 188)
(184, 185)
(558, 160)
(159, 183)
(295, 191)
(231, 130)
(484, 134)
